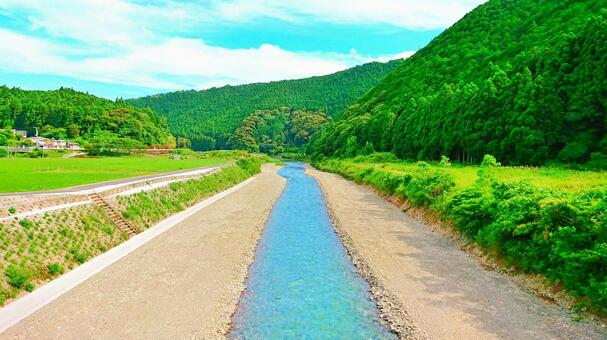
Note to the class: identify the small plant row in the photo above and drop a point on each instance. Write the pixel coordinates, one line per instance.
(144, 209)
(35, 250)
(561, 235)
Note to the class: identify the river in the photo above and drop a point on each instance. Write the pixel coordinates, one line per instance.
(302, 283)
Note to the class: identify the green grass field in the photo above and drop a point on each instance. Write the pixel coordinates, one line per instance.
(464, 176)
(25, 174)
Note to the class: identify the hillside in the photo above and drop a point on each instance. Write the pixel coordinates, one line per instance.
(208, 116)
(524, 80)
(66, 113)
(276, 131)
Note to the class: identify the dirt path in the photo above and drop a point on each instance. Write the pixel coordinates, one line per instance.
(429, 284)
(184, 283)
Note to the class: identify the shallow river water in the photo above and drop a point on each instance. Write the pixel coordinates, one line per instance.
(302, 283)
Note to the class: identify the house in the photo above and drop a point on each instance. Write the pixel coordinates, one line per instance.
(21, 133)
(54, 144)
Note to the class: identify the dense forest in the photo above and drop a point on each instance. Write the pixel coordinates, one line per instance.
(276, 131)
(524, 80)
(206, 117)
(66, 113)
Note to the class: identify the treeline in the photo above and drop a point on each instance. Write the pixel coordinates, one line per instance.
(66, 113)
(524, 80)
(206, 117)
(276, 131)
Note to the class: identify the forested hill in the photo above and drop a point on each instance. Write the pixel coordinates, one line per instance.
(524, 80)
(66, 113)
(208, 116)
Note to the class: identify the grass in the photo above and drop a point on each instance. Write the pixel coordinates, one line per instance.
(25, 174)
(465, 175)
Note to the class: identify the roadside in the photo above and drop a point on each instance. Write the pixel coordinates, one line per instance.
(430, 288)
(184, 283)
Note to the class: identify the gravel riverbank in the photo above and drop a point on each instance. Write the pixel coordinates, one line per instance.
(426, 287)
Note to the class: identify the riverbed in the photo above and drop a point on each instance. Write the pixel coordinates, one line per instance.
(302, 283)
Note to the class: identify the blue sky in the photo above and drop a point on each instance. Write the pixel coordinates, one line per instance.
(130, 48)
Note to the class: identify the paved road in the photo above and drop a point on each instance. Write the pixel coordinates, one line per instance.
(184, 283)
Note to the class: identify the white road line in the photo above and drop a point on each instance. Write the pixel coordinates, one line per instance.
(21, 308)
(115, 186)
(43, 210)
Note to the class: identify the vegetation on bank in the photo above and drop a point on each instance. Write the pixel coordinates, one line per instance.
(146, 208)
(69, 114)
(524, 80)
(36, 249)
(532, 219)
(206, 117)
(24, 174)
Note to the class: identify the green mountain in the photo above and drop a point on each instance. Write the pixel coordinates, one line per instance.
(206, 117)
(523, 80)
(66, 113)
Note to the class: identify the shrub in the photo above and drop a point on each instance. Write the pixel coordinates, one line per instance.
(18, 277)
(25, 223)
(12, 210)
(251, 164)
(54, 268)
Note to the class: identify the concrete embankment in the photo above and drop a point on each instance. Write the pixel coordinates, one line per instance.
(426, 287)
(184, 283)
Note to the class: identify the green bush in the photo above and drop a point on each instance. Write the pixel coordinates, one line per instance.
(251, 164)
(12, 210)
(18, 277)
(54, 269)
(25, 223)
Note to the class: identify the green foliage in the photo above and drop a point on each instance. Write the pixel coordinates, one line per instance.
(25, 223)
(207, 117)
(274, 131)
(562, 235)
(18, 277)
(66, 113)
(145, 208)
(12, 210)
(524, 80)
(252, 165)
(54, 268)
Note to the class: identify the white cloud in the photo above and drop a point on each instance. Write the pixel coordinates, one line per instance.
(412, 14)
(174, 64)
(137, 44)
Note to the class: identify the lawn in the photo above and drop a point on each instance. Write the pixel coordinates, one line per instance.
(33, 174)
(464, 176)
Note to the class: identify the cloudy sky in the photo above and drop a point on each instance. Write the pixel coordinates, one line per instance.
(130, 48)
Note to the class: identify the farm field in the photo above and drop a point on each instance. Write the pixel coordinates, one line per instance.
(25, 174)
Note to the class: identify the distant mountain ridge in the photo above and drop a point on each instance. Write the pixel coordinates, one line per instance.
(208, 116)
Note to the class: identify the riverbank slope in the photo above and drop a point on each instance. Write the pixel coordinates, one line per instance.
(184, 283)
(427, 286)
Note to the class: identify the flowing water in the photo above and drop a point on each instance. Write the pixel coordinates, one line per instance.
(302, 283)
